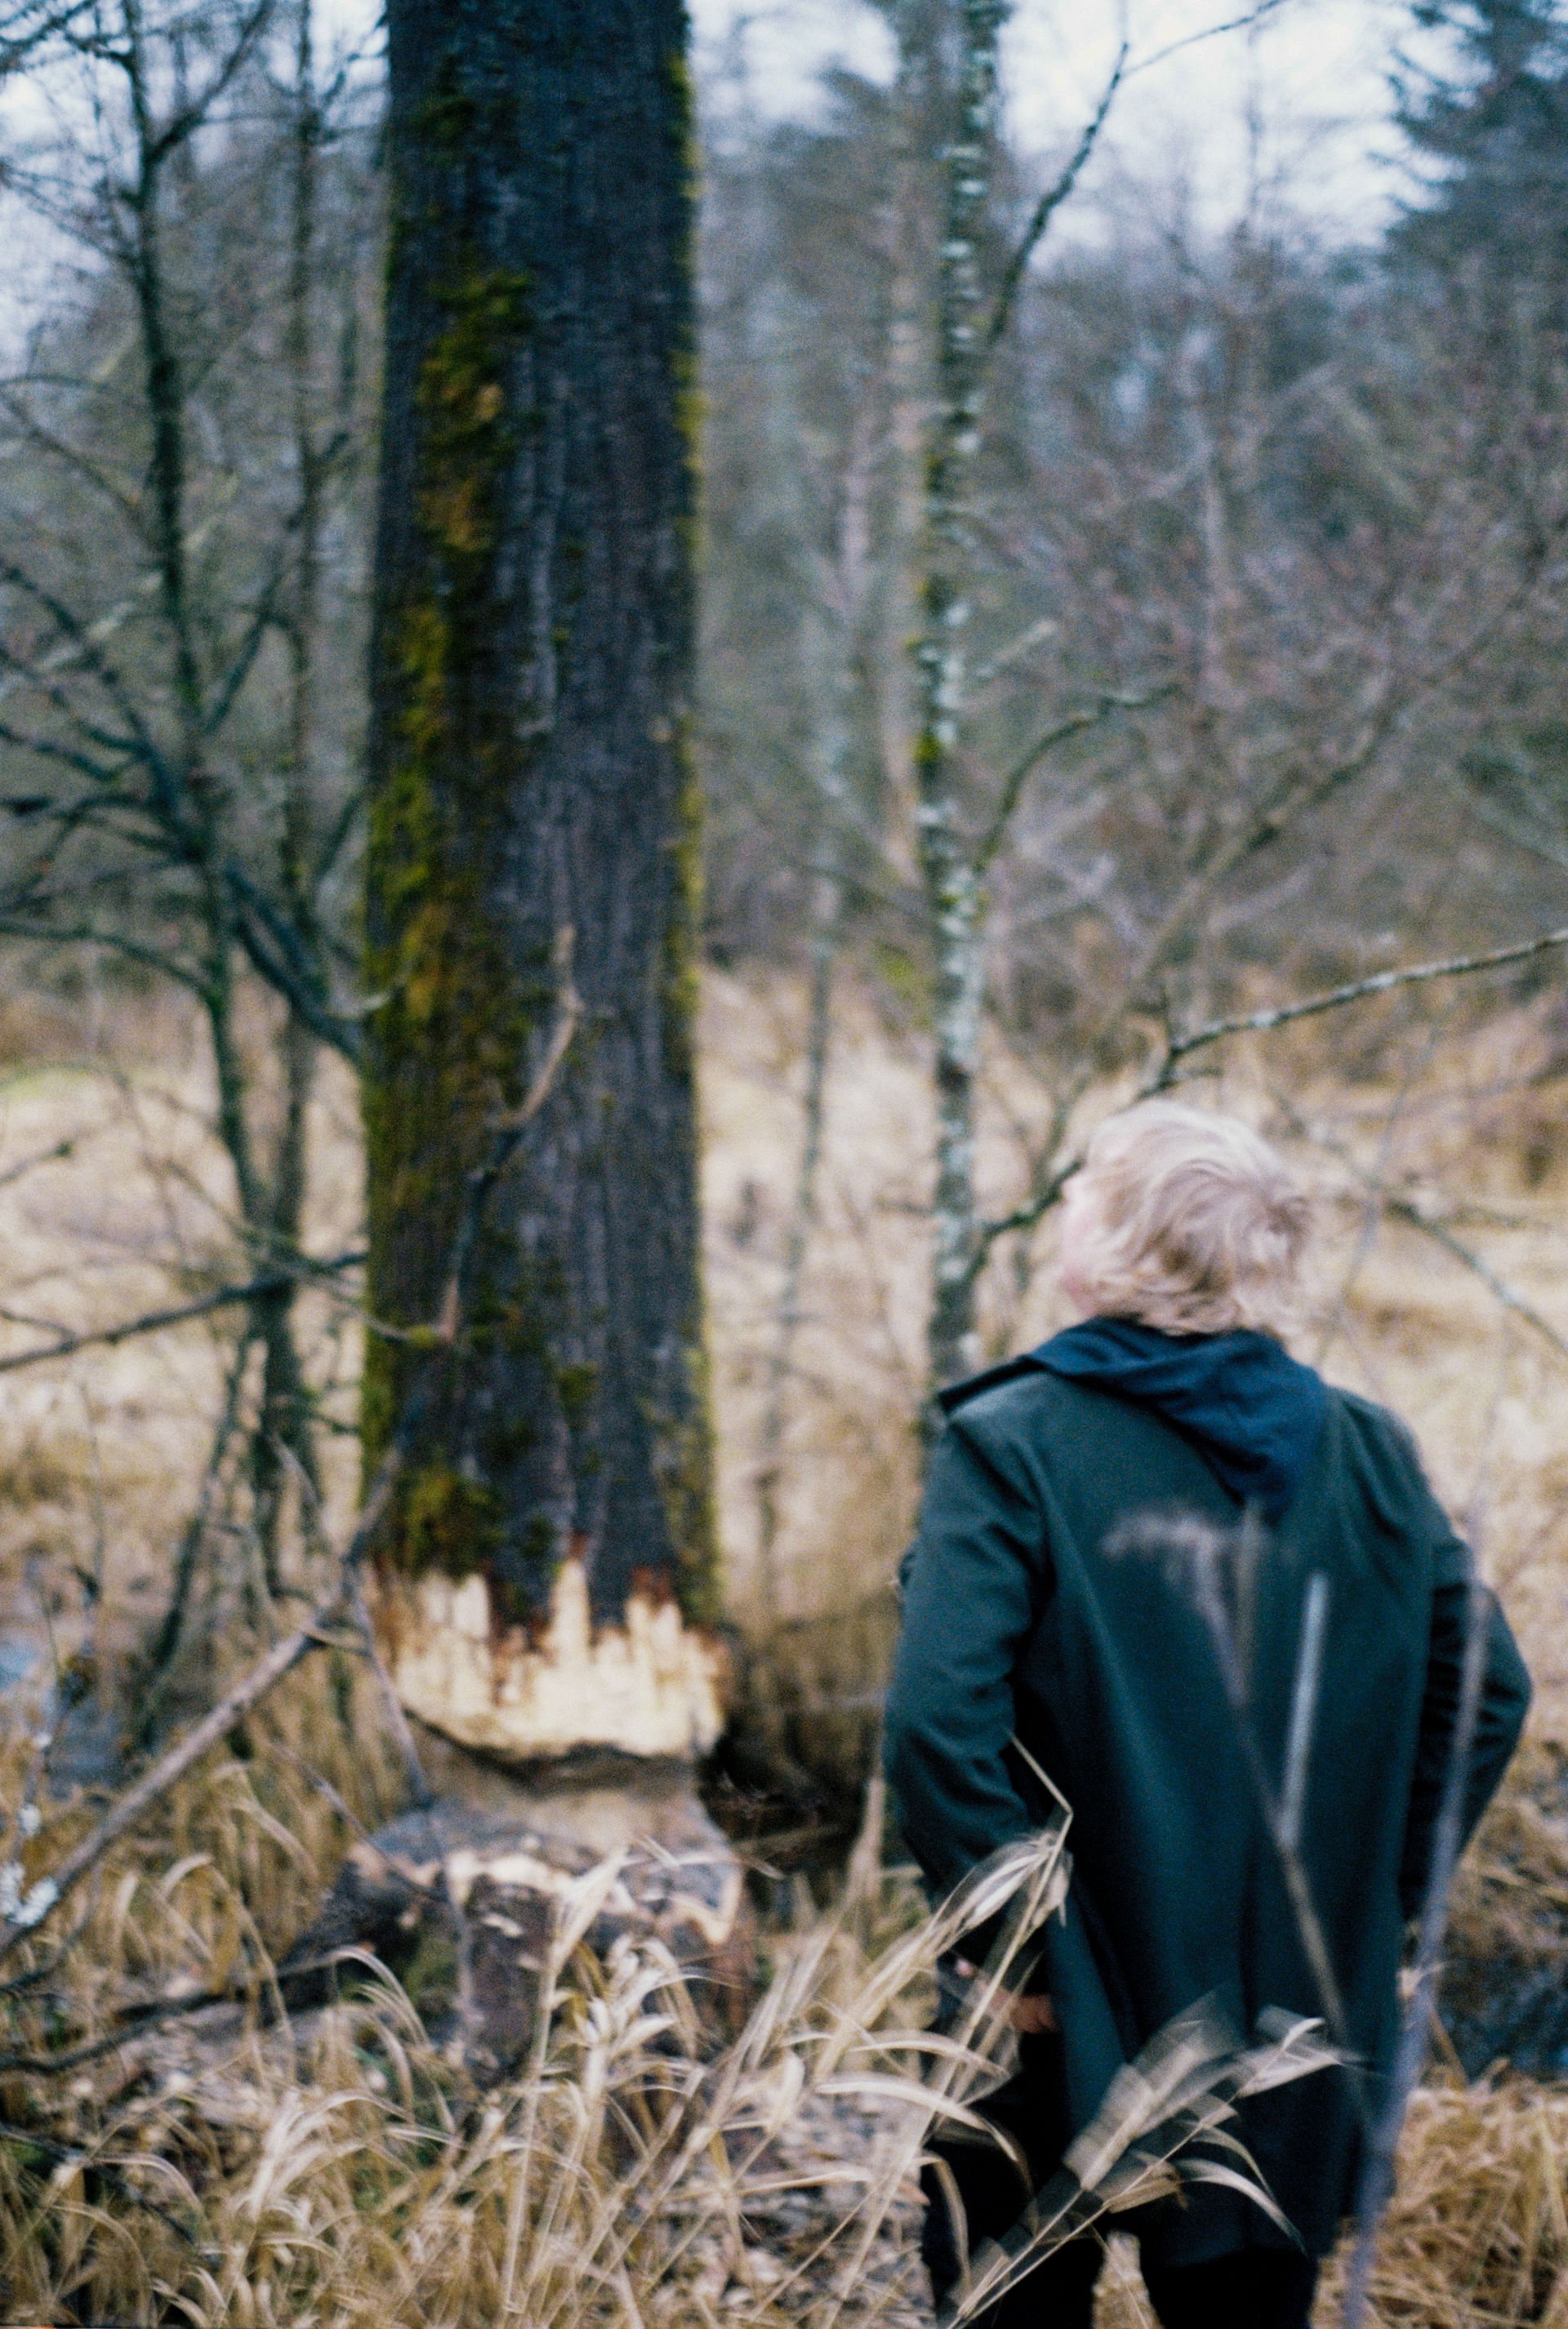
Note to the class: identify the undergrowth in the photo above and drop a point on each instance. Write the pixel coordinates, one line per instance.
(231, 2165)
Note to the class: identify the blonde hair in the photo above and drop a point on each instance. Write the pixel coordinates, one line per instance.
(1189, 1221)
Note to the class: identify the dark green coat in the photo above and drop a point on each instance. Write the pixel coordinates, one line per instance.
(1018, 1618)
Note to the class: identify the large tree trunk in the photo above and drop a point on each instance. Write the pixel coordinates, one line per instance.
(546, 1584)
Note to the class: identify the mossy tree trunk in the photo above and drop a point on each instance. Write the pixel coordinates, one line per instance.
(547, 1580)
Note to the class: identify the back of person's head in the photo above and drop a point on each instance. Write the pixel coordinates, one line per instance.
(1185, 1220)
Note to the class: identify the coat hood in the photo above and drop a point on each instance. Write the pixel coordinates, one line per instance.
(1254, 1412)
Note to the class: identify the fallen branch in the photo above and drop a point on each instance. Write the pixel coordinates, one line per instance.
(49, 1891)
(153, 1322)
(112, 2176)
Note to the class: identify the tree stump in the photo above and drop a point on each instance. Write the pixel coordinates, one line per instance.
(471, 1895)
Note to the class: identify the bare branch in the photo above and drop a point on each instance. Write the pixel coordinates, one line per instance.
(1382, 982)
(1243, 23)
(79, 642)
(1024, 1216)
(190, 117)
(27, 29)
(278, 951)
(29, 1163)
(1417, 1216)
(1180, 1047)
(71, 456)
(1404, 1209)
(153, 1322)
(43, 933)
(1018, 774)
(341, 1604)
(1049, 204)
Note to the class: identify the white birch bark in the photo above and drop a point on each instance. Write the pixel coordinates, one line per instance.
(952, 885)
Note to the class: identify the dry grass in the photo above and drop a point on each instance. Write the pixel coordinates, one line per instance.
(347, 2173)
(340, 2170)
(236, 2168)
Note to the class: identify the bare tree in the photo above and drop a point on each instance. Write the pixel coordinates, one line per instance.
(190, 433)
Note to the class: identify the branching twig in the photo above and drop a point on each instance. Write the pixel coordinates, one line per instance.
(1381, 981)
(152, 1322)
(1049, 203)
(1018, 774)
(1416, 1217)
(1180, 1047)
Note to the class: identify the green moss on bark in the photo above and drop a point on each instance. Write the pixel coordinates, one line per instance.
(450, 1040)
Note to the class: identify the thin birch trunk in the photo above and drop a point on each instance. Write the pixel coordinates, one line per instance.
(952, 886)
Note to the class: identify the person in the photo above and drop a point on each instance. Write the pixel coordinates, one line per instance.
(1051, 1627)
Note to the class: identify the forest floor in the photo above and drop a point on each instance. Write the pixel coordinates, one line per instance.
(1441, 1286)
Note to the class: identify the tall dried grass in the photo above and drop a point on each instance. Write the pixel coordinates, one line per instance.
(344, 2172)
(236, 2167)
(230, 2166)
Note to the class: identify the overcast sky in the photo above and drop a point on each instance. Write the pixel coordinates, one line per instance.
(1302, 100)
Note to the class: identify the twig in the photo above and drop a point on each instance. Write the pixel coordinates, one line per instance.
(45, 1156)
(152, 1322)
(1051, 201)
(1381, 981)
(1024, 1216)
(1406, 1210)
(1243, 23)
(1023, 769)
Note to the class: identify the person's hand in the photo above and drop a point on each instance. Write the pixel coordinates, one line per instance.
(1031, 2017)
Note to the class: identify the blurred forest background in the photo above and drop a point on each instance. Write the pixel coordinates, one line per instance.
(1266, 630)
(1264, 640)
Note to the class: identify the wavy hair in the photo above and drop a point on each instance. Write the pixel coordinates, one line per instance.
(1188, 1221)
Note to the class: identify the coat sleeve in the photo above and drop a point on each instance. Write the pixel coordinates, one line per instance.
(974, 1584)
(1505, 1702)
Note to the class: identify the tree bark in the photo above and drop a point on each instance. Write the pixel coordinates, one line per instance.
(954, 891)
(546, 1581)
